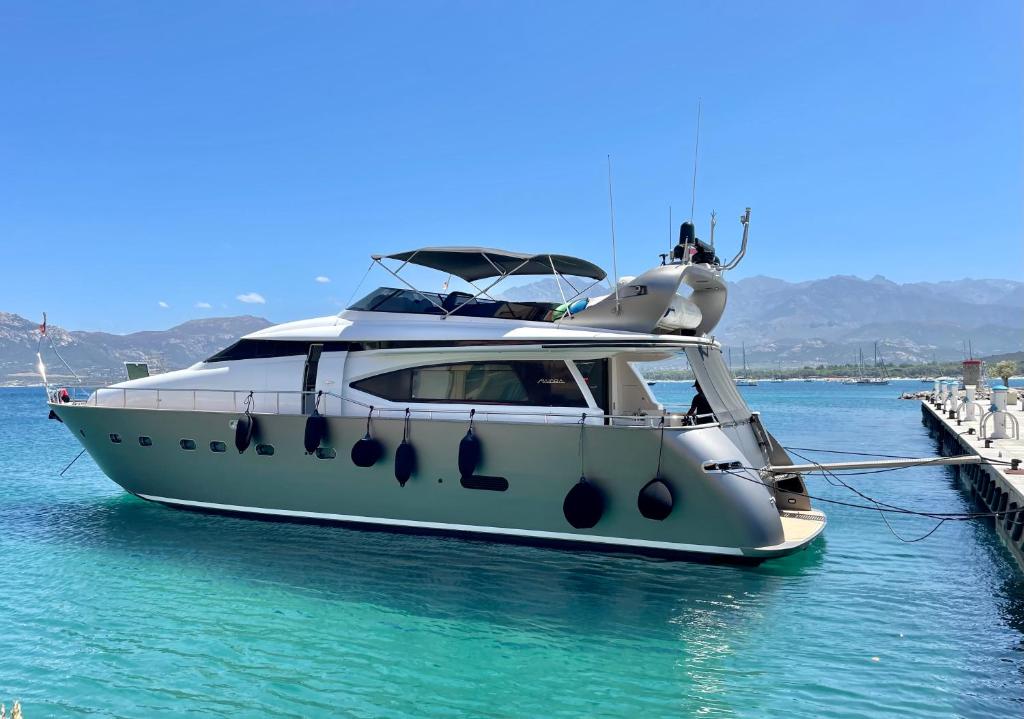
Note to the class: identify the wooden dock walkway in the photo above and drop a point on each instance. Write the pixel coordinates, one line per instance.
(994, 484)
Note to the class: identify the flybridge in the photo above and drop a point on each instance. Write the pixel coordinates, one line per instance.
(649, 303)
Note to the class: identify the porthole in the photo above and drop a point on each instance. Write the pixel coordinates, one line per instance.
(265, 449)
(325, 453)
(146, 441)
(115, 438)
(218, 447)
(187, 444)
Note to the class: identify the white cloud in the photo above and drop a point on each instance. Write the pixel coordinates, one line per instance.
(322, 280)
(252, 298)
(203, 305)
(162, 305)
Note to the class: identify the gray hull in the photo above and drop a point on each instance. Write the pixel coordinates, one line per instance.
(721, 514)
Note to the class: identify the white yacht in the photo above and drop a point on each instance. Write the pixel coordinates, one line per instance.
(462, 413)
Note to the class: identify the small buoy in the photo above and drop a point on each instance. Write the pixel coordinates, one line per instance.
(469, 454)
(366, 451)
(405, 455)
(245, 430)
(405, 462)
(469, 450)
(583, 505)
(655, 499)
(316, 432)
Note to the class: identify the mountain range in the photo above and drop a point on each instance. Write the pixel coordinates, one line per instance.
(828, 321)
(99, 357)
(823, 321)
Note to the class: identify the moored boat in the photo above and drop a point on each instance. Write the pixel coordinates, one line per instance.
(460, 413)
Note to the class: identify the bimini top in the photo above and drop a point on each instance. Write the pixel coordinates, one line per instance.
(477, 263)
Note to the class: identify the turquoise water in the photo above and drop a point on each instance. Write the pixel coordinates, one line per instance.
(113, 607)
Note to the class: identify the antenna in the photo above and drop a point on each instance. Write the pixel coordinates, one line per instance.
(670, 245)
(611, 212)
(696, 147)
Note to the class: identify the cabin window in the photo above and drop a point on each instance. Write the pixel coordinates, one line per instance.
(115, 438)
(146, 441)
(595, 374)
(545, 383)
(187, 444)
(218, 447)
(264, 450)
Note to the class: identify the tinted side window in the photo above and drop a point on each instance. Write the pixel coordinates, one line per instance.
(595, 374)
(529, 382)
(267, 349)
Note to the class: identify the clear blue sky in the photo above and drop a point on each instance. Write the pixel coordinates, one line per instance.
(192, 152)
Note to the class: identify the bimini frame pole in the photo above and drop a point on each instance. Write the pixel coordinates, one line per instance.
(393, 273)
(485, 290)
(501, 277)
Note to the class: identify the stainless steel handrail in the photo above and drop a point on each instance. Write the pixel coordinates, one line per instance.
(642, 420)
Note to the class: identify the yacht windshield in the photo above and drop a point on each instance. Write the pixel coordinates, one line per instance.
(717, 384)
(390, 299)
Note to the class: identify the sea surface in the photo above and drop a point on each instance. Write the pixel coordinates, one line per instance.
(113, 607)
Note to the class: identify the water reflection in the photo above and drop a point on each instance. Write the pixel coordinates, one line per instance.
(438, 577)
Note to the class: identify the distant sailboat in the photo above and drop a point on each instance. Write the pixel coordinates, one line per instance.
(745, 381)
(862, 378)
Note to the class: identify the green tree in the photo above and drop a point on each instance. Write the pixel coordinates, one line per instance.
(1004, 370)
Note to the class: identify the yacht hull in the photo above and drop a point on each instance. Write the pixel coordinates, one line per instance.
(516, 494)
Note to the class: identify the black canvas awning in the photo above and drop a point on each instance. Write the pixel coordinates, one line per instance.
(477, 263)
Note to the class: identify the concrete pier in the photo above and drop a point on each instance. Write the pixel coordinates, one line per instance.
(994, 484)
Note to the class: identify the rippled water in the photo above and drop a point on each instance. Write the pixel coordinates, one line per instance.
(110, 606)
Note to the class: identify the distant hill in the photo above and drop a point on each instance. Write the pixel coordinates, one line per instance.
(100, 356)
(817, 322)
(826, 321)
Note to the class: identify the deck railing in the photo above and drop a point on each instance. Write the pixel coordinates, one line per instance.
(291, 402)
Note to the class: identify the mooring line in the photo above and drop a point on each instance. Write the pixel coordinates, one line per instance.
(71, 463)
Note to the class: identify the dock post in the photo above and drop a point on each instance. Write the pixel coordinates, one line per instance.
(999, 412)
(969, 399)
(950, 403)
